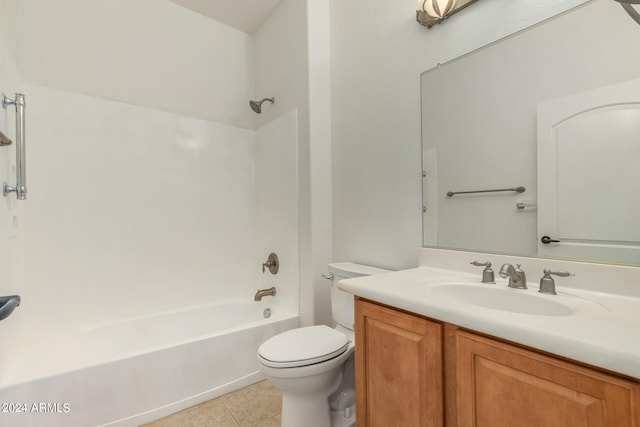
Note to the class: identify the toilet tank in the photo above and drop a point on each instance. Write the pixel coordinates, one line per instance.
(342, 309)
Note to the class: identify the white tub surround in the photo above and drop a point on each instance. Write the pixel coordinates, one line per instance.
(129, 372)
(604, 300)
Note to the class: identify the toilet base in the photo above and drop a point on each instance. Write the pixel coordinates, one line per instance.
(314, 412)
(307, 411)
(330, 405)
(346, 418)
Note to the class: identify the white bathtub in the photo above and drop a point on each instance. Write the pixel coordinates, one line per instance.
(133, 371)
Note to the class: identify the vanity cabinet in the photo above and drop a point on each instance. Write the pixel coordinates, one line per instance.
(398, 368)
(412, 371)
(500, 384)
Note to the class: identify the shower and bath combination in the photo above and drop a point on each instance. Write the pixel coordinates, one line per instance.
(257, 105)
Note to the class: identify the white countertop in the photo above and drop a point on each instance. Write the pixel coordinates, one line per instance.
(603, 329)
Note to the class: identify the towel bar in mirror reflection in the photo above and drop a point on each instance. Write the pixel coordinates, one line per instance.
(515, 189)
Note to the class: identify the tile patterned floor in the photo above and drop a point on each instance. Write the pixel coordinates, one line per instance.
(257, 405)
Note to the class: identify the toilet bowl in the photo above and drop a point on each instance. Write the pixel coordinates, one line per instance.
(313, 366)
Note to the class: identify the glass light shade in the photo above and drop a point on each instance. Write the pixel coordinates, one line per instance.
(432, 12)
(436, 8)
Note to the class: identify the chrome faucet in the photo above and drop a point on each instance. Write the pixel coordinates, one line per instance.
(263, 293)
(517, 278)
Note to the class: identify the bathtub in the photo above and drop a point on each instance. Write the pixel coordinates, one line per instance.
(129, 372)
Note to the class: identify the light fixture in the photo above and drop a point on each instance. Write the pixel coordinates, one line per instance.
(432, 12)
(626, 5)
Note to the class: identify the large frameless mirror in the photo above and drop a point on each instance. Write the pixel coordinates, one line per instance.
(481, 132)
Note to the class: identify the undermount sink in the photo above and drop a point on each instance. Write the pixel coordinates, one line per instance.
(504, 299)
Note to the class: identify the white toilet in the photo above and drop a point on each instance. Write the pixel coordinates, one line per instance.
(314, 366)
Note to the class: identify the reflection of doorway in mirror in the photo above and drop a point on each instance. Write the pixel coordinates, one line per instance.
(430, 196)
(588, 174)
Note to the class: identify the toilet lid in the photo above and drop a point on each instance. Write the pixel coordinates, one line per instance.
(303, 346)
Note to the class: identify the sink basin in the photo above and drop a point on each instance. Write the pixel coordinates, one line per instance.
(505, 299)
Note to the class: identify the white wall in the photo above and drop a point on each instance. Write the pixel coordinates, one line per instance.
(11, 242)
(321, 203)
(292, 64)
(378, 52)
(9, 30)
(145, 52)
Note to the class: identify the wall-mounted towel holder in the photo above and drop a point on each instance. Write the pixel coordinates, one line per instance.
(528, 206)
(21, 176)
(515, 189)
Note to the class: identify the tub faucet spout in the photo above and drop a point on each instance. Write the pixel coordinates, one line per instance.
(263, 293)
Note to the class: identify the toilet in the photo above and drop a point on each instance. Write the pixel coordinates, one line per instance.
(314, 366)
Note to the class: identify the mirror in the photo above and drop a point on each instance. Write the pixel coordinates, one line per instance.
(479, 127)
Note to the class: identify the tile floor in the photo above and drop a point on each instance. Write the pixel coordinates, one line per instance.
(257, 405)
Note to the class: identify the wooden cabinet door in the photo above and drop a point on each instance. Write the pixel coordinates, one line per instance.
(398, 368)
(499, 385)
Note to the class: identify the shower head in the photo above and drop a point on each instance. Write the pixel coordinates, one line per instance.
(257, 105)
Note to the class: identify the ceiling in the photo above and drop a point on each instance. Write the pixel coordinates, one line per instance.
(245, 15)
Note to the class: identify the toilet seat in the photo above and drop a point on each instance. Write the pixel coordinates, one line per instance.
(302, 347)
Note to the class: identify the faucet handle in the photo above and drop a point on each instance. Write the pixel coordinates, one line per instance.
(560, 273)
(487, 274)
(547, 284)
(272, 264)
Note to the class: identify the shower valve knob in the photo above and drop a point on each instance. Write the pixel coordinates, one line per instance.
(272, 264)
